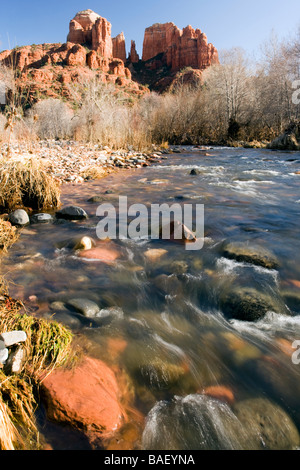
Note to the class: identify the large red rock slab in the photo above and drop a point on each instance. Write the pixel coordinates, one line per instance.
(86, 397)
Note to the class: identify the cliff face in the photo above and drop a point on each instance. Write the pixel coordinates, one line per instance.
(178, 48)
(90, 29)
(119, 47)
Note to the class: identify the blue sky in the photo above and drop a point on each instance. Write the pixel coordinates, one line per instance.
(227, 23)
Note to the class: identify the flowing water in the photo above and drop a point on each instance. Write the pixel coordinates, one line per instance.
(161, 321)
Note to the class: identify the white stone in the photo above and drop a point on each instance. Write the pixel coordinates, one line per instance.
(13, 337)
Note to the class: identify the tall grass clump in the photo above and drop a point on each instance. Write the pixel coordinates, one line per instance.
(48, 346)
(26, 183)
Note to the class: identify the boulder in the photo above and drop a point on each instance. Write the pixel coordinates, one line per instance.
(289, 140)
(85, 397)
(250, 254)
(72, 213)
(268, 425)
(248, 304)
(19, 218)
(196, 422)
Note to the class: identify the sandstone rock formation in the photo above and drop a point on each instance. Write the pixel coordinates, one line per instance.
(119, 47)
(133, 56)
(178, 48)
(81, 27)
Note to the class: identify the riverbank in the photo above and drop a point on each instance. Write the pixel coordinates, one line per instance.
(74, 162)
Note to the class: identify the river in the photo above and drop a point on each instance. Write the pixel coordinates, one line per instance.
(168, 312)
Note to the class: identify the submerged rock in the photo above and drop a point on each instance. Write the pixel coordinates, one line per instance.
(196, 422)
(269, 426)
(292, 299)
(250, 254)
(248, 304)
(161, 375)
(19, 218)
(154, 254)
(86, 307)
(86, 397)
(98, 253)
(41, 218)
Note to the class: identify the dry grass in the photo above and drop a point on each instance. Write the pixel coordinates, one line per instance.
(26, 183)
(8, 235)
(7, 429)
(94, 173)
(48, 345)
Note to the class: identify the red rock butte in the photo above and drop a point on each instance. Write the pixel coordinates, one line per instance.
(180, 48)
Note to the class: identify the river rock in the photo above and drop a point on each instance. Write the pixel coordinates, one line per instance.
(98, 253)
(220, 392)
(248, 304)
(72, 213)
(195, 172)
(96, 199)
(269, 426)
(160, 375)
(86, 397)
(196, 422)
(41, 218)
(154, 254)
(250, 254)
(13, 337)
(19, 218)
(86, 307)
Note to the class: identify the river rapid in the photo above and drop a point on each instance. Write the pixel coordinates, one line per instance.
(201, 377)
